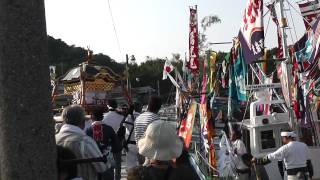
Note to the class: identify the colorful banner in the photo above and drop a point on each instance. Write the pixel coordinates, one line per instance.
(186, 126)
(211, 69)
(238, 72)
(193, 42)
(251, 32)
(309, 11)
(207, 133)
(307, 51)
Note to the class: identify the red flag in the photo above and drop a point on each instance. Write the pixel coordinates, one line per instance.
(309, 11)
(193, 42)
(186, 127)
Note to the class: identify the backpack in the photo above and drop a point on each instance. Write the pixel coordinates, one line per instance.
(104, 148)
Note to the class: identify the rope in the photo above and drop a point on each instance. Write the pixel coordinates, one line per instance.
(265, 34)
(245, 111)
(115, 30)
(293, 25)
(298, 13)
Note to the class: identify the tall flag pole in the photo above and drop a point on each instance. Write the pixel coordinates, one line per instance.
(251, 32)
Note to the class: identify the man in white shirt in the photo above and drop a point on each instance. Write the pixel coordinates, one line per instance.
(238, 149)
(114, 119)
(72, 136)
(132, 149)
(295, 156)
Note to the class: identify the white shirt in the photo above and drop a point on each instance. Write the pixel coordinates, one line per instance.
(84, 147)
(113, 119)
(240, 148)
(294, 155)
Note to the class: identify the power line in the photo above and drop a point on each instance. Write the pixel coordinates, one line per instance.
(115, 30)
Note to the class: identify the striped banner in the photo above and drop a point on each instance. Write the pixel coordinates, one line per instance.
(310, 11)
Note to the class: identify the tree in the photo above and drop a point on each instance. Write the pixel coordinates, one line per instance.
(206, 22)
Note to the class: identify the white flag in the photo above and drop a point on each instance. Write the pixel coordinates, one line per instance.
(168, 68)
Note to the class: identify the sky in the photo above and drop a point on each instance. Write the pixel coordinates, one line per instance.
(155, 28)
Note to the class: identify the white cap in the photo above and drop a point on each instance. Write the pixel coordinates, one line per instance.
(288, 134)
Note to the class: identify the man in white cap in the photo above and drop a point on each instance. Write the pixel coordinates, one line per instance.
(295, 156)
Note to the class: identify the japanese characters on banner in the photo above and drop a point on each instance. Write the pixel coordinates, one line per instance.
(310, 12)
(186, 126)
(251, 32)
(207, 132)
(193, 41)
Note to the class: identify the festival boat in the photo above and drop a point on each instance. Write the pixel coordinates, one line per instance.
(267, 103)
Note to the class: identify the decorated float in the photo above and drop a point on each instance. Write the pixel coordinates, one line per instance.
(89, 85)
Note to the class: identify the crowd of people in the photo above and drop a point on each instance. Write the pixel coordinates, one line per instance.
(92, 149)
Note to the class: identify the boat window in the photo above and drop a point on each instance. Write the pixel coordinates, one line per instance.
(268, 140)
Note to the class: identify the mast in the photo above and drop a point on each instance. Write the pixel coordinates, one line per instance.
(287, 64)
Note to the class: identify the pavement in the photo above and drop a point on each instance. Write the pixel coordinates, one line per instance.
(123, 168)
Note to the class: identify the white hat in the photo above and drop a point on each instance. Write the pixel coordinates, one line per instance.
(161, 142)
(288, 134)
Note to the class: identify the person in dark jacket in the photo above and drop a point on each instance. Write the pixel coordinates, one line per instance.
(106, 139)
(161, 146)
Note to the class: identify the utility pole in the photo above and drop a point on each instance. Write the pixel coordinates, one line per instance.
(27, 144)
(127, 71)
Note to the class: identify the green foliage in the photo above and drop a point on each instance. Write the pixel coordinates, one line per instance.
(148, 73)
(207, 21)
(65, 57)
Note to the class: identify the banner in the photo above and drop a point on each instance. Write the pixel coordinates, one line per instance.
(238, 72)
(186, 126)
(211, 69)
(310, 11)
(207, 133)
(282, 73)
(251, 32)
(193, 42)
(307, 51)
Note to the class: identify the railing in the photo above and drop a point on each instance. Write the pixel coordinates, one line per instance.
(202, 163)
